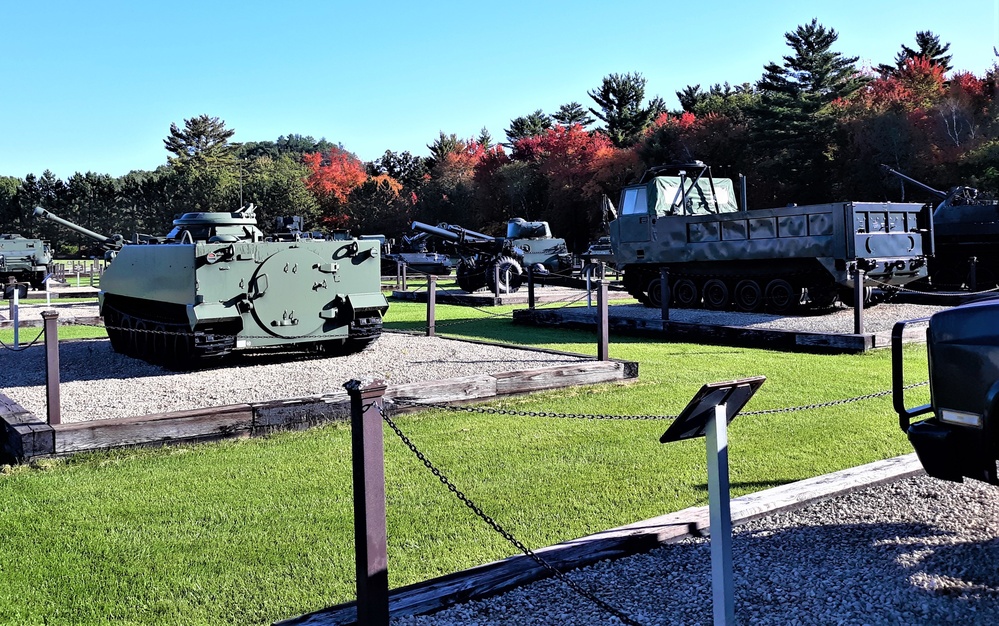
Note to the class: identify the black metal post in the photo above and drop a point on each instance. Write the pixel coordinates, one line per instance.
(404, 276)
(602, 321)
(858, 301)
(973, 274)
(431, 305)
(52, 400)
(398, 274)
(370, 534)
(664, 292)
(530, 287)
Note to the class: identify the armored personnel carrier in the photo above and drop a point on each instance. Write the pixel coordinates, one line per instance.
(215, 284)
(722, 256)
(25, 259)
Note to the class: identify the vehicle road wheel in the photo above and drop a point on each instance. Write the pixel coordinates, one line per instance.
(748, 296)
(685, 294)
(655, 291)
(780, 296)
(716, 295)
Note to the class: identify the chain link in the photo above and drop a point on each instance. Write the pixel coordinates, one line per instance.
(592, 416)
(23, 348)
(930, 293)
(499, 529)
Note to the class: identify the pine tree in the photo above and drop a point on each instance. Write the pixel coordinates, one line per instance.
(928, 46)
(620, 99)
(791, 122)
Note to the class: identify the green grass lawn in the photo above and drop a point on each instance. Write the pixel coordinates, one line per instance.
(252, 531)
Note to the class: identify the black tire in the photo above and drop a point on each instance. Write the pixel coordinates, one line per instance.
(716, 295)
(685, 294)
(511, 275)
(748, 296)
(469, 277)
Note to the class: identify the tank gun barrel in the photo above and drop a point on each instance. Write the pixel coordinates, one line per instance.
(939, 195)
(111, 242)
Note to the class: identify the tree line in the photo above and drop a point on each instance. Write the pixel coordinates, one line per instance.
(812, 129)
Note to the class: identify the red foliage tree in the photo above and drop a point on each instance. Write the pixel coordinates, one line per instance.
(334, 176)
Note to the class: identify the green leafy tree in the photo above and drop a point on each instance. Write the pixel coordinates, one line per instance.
(530, 125)
(10, 211)
(404, 167)
(276, 186)
(793, 124)
(206, 172)
(620, 98)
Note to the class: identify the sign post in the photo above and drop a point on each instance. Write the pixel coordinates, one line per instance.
(707, 415)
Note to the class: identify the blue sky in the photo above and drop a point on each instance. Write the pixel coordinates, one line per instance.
(94, 86)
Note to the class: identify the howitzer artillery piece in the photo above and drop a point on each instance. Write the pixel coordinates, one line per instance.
(966, 237)
(215, 284)
(480, 256)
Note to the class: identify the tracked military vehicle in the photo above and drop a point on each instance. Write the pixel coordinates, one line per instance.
(966, 237)
(540, 248)
(215, 284)
(721, 256)
(25, 259)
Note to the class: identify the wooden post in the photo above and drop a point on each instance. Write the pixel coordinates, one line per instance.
(370, 534)
(431, 305)
(52, 399)
(664, 294)
(602, 321)
(858, 301)
(398, 274)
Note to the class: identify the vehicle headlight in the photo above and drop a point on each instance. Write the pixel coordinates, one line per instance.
(960, 418)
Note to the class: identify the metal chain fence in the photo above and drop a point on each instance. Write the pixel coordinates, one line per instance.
(508, 536)
(597, 416)
(477, 510)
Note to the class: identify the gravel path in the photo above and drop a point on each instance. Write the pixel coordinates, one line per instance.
(98, 383)
(916, 551)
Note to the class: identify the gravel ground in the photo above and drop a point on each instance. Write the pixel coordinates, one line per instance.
(98, 383)
(915, 551)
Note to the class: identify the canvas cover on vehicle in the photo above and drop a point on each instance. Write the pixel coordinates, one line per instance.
(664, 197)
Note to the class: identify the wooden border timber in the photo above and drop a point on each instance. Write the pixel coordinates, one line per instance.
(771, 339)
(27, 437)
(493, 578)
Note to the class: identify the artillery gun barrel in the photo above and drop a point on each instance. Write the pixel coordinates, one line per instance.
(457, 235)
(940, 195)
(108, 241)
